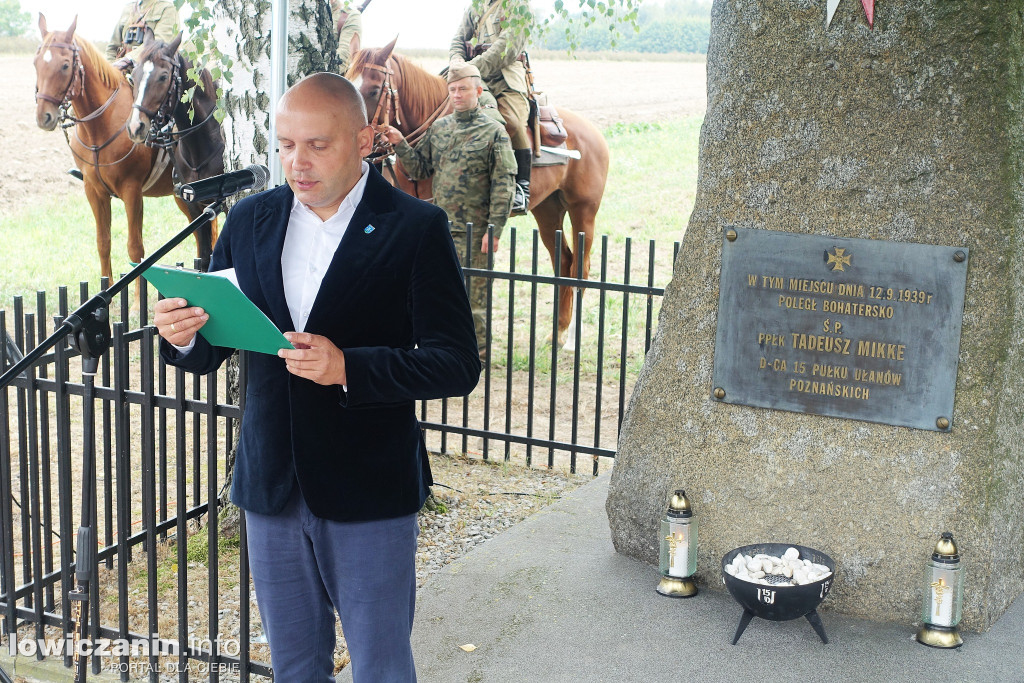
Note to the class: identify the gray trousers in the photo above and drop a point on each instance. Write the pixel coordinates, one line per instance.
(304, 568)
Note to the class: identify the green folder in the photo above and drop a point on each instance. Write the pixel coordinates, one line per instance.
(234, 321)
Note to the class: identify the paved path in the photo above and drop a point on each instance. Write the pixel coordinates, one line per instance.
(550, 601)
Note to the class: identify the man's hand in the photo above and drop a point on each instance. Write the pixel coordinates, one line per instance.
(315, 358)
(391, 134)
(176, 322)
(494, 244)
(124, 64)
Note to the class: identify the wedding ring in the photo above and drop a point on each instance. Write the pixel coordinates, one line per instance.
(172, 328)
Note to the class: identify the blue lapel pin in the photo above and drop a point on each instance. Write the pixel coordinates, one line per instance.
(368, 229)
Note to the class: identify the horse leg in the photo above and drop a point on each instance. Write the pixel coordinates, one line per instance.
(550, 215)
(99, 202)
(132, 198)
(581, 216)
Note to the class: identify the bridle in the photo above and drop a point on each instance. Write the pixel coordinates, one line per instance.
(388, 101)
(75, 84)
(161, 121)
(76, 88)
(162, 133)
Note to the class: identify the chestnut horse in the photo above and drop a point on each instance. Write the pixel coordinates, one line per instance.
(71, 72)
(575, 188)
(160, 119)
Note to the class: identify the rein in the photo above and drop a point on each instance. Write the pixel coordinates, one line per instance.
(162, 122)
(75, 84)
(76, 89)
(388, 101)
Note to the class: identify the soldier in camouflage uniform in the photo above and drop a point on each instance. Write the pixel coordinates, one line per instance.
(471, 160)
(348, 23)
(159, 15)
(482, 42)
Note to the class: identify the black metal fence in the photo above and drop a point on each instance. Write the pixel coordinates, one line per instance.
(163, 443)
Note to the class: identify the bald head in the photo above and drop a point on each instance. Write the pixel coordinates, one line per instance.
(323, 88)
(322, 137)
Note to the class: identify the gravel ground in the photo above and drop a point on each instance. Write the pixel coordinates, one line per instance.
(482, 500)
(476, 500)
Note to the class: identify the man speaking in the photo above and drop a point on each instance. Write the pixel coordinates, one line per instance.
(331, 467)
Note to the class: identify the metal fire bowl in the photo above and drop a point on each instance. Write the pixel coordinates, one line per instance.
(774, 602)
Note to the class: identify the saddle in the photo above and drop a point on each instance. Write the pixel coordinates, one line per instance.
(544, 123)
(552, 132)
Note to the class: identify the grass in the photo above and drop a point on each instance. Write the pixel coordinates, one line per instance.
(57, 244)
(649, 197)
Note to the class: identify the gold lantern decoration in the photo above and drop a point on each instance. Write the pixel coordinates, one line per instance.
(943, 596)
(678, 559)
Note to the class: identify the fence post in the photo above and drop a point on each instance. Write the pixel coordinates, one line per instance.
(7, 579)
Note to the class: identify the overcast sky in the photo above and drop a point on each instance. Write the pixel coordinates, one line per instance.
(419, 23)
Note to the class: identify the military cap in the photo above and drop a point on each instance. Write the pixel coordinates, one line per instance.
(456, 72)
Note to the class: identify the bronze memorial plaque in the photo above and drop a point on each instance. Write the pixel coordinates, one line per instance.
(863, 329)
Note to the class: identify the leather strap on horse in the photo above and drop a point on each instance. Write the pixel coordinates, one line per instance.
(98, 112)
(162, 122)
(215, 151)
(533, 120)
(414, 137)
(386, 162)
(387, 97)
(165, 112)
(75, 84)
(163, 158)
(74, 88)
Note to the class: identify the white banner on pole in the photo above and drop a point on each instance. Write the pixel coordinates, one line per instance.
(832, 5)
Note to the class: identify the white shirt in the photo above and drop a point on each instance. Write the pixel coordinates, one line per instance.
(309, 246)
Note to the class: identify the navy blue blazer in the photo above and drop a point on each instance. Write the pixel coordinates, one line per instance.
(393, 299)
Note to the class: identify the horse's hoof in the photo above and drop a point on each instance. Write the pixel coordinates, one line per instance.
(562, 336)
(569, 343)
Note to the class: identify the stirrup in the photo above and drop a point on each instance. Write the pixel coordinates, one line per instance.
(520, 201)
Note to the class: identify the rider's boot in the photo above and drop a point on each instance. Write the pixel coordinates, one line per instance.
(521, 201)
(75, 173)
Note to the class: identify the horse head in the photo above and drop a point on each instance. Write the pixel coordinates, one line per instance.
(58, 72)
(156, 88)
(373, 77)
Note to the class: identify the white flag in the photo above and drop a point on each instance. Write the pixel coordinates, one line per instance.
(832, 4)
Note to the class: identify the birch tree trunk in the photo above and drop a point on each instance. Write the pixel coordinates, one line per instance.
(244, 33)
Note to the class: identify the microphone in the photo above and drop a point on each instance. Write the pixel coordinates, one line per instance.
(220, 186)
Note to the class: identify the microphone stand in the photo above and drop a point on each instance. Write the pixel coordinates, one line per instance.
(89, 329)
